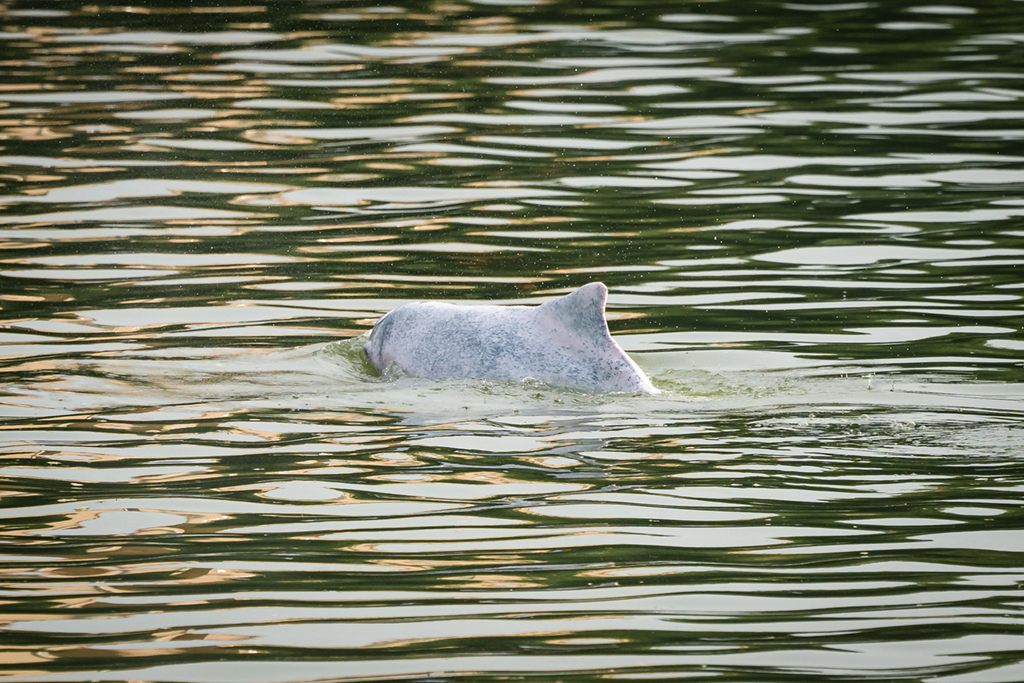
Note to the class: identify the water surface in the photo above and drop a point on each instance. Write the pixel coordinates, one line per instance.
(810, 219)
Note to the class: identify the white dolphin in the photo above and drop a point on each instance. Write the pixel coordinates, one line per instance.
(563, 342)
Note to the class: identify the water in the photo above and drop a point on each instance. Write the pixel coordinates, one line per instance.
(810, 220)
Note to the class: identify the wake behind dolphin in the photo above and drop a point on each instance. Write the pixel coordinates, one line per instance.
(563, 342)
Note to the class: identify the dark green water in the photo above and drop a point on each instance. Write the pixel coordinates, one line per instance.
(810, 218)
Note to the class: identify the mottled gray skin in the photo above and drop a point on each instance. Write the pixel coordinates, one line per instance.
(563, 342)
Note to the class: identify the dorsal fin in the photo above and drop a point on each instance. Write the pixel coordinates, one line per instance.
(581, 310)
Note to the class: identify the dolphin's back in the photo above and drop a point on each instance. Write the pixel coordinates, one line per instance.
(564, 342)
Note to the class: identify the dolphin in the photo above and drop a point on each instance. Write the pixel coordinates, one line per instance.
(563, 342)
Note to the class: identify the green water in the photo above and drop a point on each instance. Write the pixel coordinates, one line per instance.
(810, 218)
